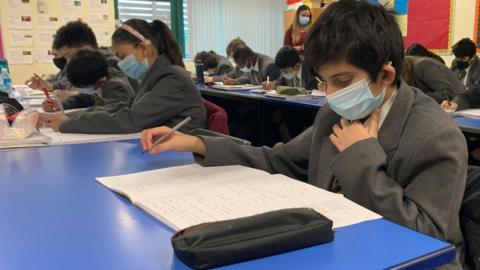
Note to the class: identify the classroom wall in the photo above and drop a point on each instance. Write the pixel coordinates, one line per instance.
(21, 72)
(463, 24)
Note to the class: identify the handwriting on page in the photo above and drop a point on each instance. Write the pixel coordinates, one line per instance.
(189, 195)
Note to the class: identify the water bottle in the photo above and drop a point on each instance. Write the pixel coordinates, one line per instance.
(199, 70)
(7, 82)
(4, 64)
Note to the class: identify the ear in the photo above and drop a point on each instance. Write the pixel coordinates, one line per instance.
(387, 75)
(145, 48)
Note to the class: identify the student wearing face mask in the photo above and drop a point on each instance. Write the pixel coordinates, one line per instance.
(216, 65)
(466, 64)
(97, 83)
(236, 76)
(290, 64)
(70, 38)
(297, 32)
(148, 53)
(381, 143)
(257, 67)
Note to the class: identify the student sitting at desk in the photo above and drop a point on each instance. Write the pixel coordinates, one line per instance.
(68, 40)
(167, 95)
(432, 77)
(466, 64)
(98, 84)
(216, 65)
(288, 60)
(236, 76)
(256, 66)
(380, 142)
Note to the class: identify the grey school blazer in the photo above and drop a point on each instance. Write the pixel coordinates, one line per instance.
(413, 175)
(436, 80)
(266, 68)
(224, 67)
(166, 96)
(116, 89)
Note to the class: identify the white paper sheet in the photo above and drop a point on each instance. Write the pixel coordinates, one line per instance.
(46, 21)
(98, 21)
(72, 6)
(98, 5)
(22, 38)
(103, 37)
(20, 56)
(43, 55)
(18, 21)
(45, 38)
(19, 6)
(189, 195)
(467, 113)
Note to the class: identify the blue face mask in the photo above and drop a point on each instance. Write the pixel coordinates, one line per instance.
(86, 90)
(132, 68)
(355, 101)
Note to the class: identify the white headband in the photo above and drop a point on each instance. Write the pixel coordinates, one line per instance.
(134, 32)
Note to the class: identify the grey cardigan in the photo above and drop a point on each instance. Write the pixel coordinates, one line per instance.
(413, 175)
(166, 96)
(116, 89)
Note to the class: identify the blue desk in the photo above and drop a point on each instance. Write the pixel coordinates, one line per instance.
(54, 215)
(468, 124)
(261, 109)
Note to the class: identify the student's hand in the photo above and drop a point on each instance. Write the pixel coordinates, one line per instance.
(50, 105)
(449, 106)
(65, 93)
(51, 120)
(36, 82)
(229, 81)
(208, 79)
(346, 134)
(268, 86)
(177, 141)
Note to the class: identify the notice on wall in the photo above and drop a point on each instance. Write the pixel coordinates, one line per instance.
(98, 21)
(48, 22)
(20, 6)
(20, 56)
(71, 18)
(43, 55)
(71, 6)
(18, 21)
(98, 5)
(45, 38)
(103, 37)
(22, 38)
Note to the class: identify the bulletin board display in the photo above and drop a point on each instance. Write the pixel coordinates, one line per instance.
(28, 28)
(477, 25)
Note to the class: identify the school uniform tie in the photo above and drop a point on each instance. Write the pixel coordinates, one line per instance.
(461, 74)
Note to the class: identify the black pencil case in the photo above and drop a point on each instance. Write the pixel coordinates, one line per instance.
(220, 243)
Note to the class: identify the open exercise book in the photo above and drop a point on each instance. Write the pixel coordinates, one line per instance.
(221, 86)
(188, 195)
(47, 136)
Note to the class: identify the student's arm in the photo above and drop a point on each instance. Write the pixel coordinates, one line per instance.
(165, 100)
(290, 159)
(117, 90)
(468, 99)
(273, 72)
(220, 74)
(78, 101)
(430, 192)
(436, 77)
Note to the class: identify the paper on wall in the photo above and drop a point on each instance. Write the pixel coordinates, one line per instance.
(20, 56)
(98, 21)
(45, 38)
(103, 37)
(20, 38)
(19, 6)
(43, 55)
(18, 21)
(72, 6)
(45, 21)
(98, 5)
(71, 18)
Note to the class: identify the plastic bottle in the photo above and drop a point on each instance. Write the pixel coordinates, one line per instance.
(199, 71)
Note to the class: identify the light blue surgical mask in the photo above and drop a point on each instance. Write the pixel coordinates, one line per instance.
(355, 101)
(246, 69)
(304, 20)
(132, 68)
(86, 90)
(289, 76)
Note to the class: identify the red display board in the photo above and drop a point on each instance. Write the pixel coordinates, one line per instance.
(429, 23)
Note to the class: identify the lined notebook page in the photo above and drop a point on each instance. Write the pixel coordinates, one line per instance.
(188, 195)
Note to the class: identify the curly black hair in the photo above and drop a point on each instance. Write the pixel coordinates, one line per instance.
(74, 35)
(86, 68)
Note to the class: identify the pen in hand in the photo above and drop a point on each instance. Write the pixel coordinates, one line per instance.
(168, 134)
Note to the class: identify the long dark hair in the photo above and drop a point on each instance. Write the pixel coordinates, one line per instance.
(157, 32)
